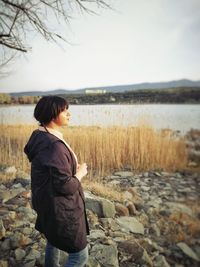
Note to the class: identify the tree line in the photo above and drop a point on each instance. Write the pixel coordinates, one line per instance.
(8, 99)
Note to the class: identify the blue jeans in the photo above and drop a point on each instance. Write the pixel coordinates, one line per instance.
(52, 257)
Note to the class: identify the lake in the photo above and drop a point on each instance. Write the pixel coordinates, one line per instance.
(180, 117)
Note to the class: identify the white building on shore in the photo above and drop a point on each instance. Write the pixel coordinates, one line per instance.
(95, 91)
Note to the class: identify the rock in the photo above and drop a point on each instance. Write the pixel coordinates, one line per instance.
(188, 251)
(135, 252)
(121, 210)
(27, 231)
(131, 208)
(10, 170)
(19, 240)
(92, 263)
(27, 213)
(33, 255)
(124, 174)
(145, 188)
(2, 229)
(19, 254)
(130, 224)
(5, 245)
(3, 263)
(30, 263)
(154, 229)
(95, 234)
(7, 195)
(11, 215)
(192, 164)
(110, 224)
(108, 208)
(160, 196)
(106, 255)
(102, 207)
(146, 259)
(156, 202)
(2, 187)
(160, 261)
(16, 185)
(178, 207)
(127, 195)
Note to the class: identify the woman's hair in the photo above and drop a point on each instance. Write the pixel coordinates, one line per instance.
(48, 108)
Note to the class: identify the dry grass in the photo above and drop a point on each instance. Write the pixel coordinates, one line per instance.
(104, 149)
(104, 191)
(180, 227)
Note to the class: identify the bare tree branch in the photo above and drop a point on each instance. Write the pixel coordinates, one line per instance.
(19, 18)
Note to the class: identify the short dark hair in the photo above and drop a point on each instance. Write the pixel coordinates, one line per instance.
(48, 108)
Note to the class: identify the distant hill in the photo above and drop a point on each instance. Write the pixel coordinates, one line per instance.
(115, 88)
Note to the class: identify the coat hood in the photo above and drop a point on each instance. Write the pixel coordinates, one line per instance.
(38, 141)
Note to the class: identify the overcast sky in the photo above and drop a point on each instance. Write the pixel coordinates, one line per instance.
(142, 41)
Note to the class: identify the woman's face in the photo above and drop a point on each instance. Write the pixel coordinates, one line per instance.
(63, 118)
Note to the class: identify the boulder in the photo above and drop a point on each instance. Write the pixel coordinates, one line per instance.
(121, 209)
(188, 251)
(160, 261)
(130, 224)
(106, 255)
(178, 207)
(2, 229)
(102, 207)
(124, 174)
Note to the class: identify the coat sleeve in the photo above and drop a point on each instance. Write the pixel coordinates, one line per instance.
(60, 167)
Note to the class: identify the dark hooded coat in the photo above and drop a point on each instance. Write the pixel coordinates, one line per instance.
(57, 195)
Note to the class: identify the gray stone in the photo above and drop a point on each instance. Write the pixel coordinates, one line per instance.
(30, 263)
(2, 229)
(145, 258)
(7, 195)
(27, 213)
(19, 240)
(145, 188)
(106, 255)
(92, 263)
(178, 207)
(154, 229)
(110, 223)
(10, 169)
(124, 174)
(188, 251)
(27, 231)
(121, 209)
(15, 186)
(130, 224)
(108, 208)
(95, 234)
(154, 202)
(33, 255)
(11, 215)
(3, 263)
(63, 257)
(5, 245)
(19, 254)
(160, 261)
(127, 195)
(2, 187)
(101, 206)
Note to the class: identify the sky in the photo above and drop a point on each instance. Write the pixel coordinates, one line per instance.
(138, 41)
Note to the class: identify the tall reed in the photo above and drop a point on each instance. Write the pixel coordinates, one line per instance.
(104, 149)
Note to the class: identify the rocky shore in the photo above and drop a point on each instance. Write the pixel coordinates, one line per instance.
(155, 222)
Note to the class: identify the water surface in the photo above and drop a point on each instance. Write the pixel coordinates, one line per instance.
(181, 117)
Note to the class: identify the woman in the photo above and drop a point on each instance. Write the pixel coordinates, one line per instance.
(57, 195)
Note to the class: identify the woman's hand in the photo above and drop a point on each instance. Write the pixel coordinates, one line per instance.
(81, 171)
